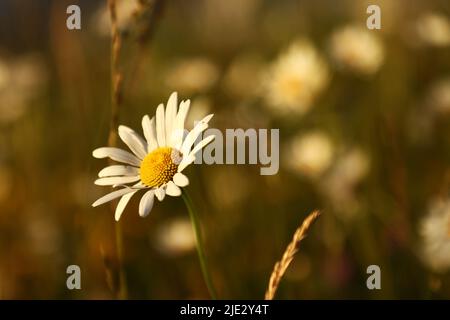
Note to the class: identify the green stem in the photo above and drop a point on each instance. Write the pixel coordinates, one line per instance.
(200, 247)
(122, 292)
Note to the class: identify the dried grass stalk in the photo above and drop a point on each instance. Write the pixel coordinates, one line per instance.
(282, 265)
(116, 74)
(116, 102)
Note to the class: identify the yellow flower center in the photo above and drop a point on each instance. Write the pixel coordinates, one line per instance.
(159, 166)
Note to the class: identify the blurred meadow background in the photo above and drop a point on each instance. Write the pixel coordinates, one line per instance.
(364, 119)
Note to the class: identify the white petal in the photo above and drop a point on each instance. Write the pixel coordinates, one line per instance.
(133, 141)
(171, 113)
(201, 144)
(138, 185)
(109, 181)
(173, 190)
(191, 137)
(118, 170)
(160, 126)
(178, 127)
(122, 204)
(146, 204)
(180, 179)
(111, 196)
(185, 162)
(117, 155)
(160, 193)
(177, 138)
(148, 125)
(207, 118)
(194, 133)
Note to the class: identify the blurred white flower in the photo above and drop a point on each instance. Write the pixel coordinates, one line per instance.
(433, 29)
(189, 76)
(352, 167)
(175, 237)
(357, 49)
(310, 154)
(295, 79)
(435, 232)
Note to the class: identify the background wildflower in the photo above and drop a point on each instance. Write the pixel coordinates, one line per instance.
(433, 29)
(356, 49)
(295, 79)
(310, 153)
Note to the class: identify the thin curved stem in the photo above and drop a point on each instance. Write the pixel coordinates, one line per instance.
(200, 247)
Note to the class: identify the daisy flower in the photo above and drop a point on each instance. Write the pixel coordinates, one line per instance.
(155, 164)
